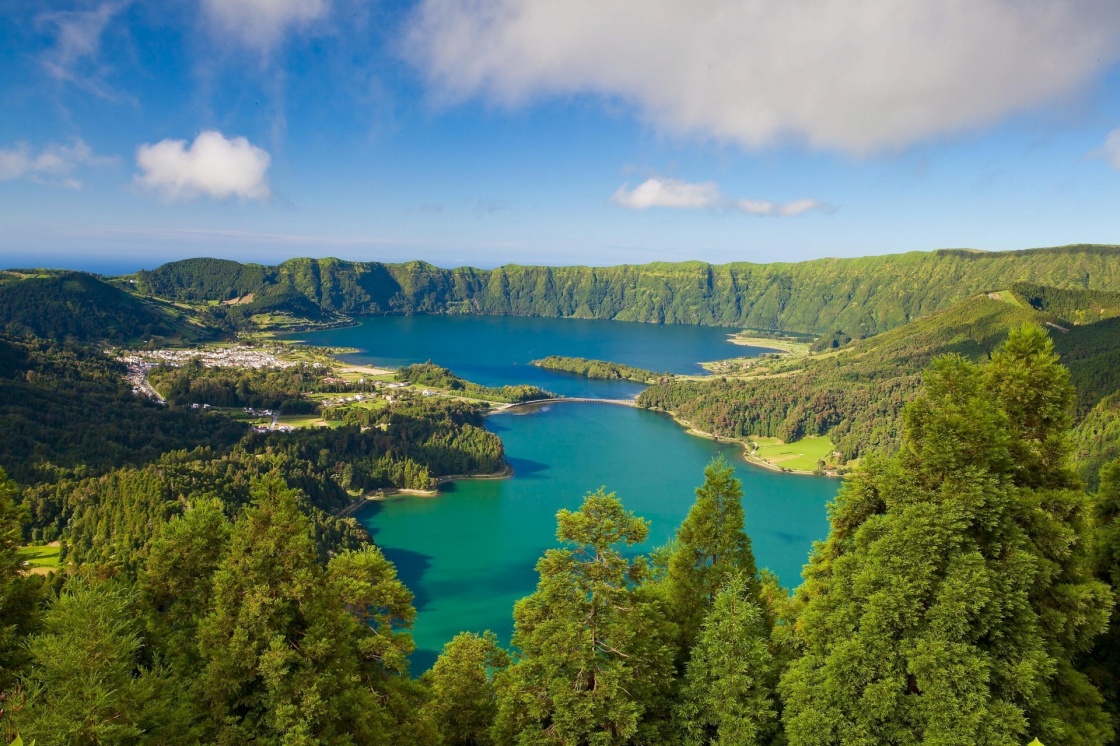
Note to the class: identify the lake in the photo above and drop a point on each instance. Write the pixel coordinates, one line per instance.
(470, 553)
(497, 350)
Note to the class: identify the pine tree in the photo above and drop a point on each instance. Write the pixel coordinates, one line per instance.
(955, 594)
(591, 654)
(463, 702)
(283, 656)
(727, 698)
(1033, 389)
(1104, 659)
(178, 581)
(19, 594)
(918, 626)
(710, 546)
(86, 684)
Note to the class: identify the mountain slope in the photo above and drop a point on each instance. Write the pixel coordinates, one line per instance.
(861, 296)
(854, 395)
(74, 305)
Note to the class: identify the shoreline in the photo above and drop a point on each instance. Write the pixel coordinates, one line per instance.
(748, 453)
(384, 493)
(501, 407)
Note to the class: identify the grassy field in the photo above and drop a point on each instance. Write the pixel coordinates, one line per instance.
(302, 420)
(1006, 296)
(801, 455)
(795, 347)
(43, 557)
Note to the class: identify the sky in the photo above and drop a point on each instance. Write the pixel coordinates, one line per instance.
(485, 132)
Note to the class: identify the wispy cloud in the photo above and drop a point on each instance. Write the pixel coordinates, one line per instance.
(261, 25)
(663, 192)
(211, 166)
(1110, 151)
(54, 164)
(659, 192)
(74, 55)
(852, 75)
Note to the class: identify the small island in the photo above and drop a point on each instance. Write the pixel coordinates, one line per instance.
(600, 369)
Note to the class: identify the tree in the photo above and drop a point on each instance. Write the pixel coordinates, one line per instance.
(918, 626)
(178, 581)
(952, 596)
(711, 545)
(727, 697)
(366, 584)
(19, 594)
(591, 649)
(1033, 389)
(285, 660)
(1104, 660)
(86, 684)
(463, 701)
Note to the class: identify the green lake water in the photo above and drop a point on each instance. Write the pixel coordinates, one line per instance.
(470, 553)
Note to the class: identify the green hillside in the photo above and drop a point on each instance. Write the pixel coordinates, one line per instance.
(860, 296)
(853, 395)
(74, 305)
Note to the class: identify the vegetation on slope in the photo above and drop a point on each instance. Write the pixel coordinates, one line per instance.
(853, 395)
(861, 296)
(1076, 305)
(65, 407)
(79, 307)
(603, 369)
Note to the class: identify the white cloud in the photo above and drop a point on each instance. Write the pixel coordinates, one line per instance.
(53, 165)
(658, 192)
(663, 192)
(73, 57)
(1111, 148)
(262, 24)
(852, 75)
(211, 166)
(781, 210)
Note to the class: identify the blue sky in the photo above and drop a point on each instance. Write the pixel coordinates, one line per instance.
(610, 131)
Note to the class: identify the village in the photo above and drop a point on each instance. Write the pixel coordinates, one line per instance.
(139, 363)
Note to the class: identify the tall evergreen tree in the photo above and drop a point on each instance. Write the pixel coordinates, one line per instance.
(463, 701)
(918, 626)
(953, 594)
(178, 581)
(1033, 389)
(591, 656)
(19, 594)
(711, 545)
(1104, 660)
(727, 698)
(86, 684)
(285, 662)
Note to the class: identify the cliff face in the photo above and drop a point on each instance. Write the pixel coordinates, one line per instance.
(862, 296)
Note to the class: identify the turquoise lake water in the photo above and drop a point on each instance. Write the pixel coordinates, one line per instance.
(470, 553)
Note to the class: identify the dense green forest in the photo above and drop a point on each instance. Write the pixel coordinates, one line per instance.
(855, 394)
(860, 296)
(279, 389)
(581, 366)
(67, 409)
(433, 376)
(62, 305)
(963, 596)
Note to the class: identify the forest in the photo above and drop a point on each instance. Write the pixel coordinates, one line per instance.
(965, 595)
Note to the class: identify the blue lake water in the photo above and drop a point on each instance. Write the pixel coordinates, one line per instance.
(470, 553)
